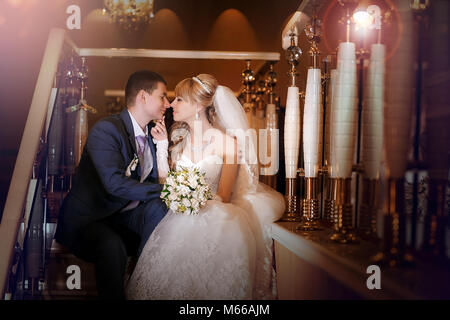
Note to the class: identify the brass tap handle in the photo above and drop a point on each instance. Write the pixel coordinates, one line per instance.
(323, 169)
(358, 168)
(293, 54)
(302, 95)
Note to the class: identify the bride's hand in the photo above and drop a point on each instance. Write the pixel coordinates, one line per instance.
(159, 131)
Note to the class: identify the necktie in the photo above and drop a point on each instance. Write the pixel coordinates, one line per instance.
(146, 163)
(142, 142)
(144, 156)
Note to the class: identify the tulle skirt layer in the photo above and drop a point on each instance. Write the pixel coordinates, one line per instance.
(224, 252)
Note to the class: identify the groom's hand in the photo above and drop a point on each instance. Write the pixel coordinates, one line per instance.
(159, 131)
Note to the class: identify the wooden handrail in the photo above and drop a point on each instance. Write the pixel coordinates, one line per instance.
(178, 54)
(29, 145)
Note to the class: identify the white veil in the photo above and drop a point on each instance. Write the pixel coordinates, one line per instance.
(232, 118)
(254, 197)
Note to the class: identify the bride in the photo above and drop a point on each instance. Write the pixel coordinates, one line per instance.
(224, 252)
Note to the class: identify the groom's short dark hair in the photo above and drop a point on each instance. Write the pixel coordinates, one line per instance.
(141, 80)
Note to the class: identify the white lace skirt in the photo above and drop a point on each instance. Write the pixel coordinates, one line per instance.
(222, 253)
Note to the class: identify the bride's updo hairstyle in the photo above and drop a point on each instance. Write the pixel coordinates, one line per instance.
(200, 90)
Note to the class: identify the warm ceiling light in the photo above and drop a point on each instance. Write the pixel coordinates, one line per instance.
(131, 14)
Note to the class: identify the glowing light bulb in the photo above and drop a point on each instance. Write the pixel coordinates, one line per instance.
(362, 19)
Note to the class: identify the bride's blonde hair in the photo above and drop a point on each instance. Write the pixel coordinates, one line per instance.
(193, 91)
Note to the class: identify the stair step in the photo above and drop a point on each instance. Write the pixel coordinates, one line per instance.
(69, 295)
(58, 262)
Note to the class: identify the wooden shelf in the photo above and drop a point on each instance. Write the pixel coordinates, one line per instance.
(347, 264)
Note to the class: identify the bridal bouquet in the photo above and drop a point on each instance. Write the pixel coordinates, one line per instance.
(186, 191)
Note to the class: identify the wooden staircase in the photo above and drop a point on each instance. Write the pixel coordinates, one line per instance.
(58, 260)
(56, 275)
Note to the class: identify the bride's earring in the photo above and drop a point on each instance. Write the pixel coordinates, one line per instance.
(196, 115)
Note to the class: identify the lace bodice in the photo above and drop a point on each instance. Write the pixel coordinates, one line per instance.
(210, 165)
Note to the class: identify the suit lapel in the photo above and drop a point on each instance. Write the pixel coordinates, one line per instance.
(154, 172)
(124, 115)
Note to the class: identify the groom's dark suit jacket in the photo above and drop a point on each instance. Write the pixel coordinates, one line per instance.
(100, 187)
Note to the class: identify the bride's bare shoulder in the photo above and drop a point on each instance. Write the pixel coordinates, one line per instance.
(225, 145)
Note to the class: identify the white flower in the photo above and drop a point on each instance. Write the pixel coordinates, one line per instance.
(180, 178)
(172, 196)
(170, 181)
(193, 182)
(184, 190)
(202, 193)
(185, 202)
(174, 206)
(195, 204)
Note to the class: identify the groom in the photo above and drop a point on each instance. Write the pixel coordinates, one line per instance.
(114, 204)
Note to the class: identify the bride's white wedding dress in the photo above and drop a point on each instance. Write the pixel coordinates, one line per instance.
(224, 252)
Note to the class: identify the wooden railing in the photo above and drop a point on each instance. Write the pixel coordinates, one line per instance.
(29, 145)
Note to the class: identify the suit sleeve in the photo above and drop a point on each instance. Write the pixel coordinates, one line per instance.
(103, 147)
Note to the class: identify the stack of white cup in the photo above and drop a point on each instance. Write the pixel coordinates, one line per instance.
(312, 119)
(292, 132)
(330, 104)
(272, 142)
(344, 113)
(372, 113)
